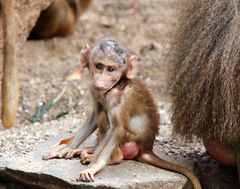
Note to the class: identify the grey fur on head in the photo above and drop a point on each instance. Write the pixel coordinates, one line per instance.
(112, 49)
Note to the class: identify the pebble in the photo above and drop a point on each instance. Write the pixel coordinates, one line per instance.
(22, 140)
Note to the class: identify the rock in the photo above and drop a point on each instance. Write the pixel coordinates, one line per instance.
(214, 175)
(26, 14)
(30, 171)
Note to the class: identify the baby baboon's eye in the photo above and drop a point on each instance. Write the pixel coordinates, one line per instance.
(99, 66)
(110, 69)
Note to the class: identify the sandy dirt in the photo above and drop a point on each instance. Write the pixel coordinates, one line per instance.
(142, 26)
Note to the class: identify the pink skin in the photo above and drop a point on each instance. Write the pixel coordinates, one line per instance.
(129, 150)
(221, 152)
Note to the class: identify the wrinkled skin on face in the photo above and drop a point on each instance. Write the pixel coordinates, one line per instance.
(104, 74)
(107, 65)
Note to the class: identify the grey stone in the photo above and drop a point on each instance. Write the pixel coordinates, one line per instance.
(31, 171)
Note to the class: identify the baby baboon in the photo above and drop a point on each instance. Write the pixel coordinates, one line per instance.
(124, 113)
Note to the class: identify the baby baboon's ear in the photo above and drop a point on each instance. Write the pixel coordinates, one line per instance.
(131, 67)
(84, 56)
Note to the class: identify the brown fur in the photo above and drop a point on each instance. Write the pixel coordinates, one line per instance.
(205, 60)
(59, 19)
(102, 125)
(143, 98)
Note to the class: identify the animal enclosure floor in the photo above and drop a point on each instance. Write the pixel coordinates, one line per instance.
(142, 26)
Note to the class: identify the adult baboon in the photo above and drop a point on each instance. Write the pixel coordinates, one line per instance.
(205, 74)
(59, 19)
